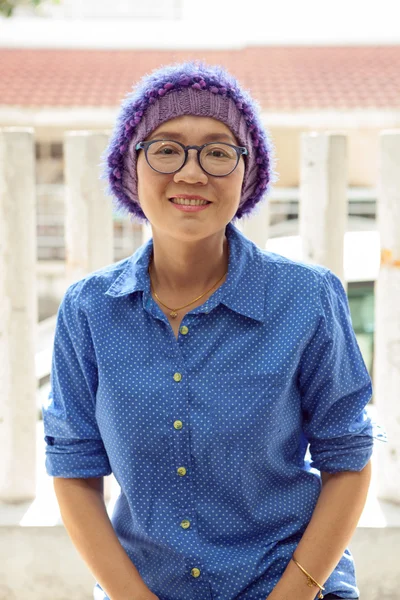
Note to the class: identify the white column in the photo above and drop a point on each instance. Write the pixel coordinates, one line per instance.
(18, 315)
(256, 226)
(387, 317)
(88, 216)
(323, 199)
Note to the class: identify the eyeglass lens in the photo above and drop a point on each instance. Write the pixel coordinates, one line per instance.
(167, 156)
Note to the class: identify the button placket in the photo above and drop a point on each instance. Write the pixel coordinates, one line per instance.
(181, 471)
(185, 500)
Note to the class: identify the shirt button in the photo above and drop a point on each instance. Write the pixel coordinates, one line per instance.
(195, 572)
(185, 524)
(181, 471)
(184, 330)
(177, 376)
(178, 424)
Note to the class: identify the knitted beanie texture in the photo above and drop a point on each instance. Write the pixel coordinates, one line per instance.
(190, 88)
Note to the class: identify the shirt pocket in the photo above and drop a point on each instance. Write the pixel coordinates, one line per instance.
(246, 409)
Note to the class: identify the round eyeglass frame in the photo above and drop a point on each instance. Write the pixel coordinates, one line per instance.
(240, 150)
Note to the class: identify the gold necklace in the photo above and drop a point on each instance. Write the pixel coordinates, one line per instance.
(174, 312)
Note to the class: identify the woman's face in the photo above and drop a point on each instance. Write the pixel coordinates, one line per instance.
(156, 189)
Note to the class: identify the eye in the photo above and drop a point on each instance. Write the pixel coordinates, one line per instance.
(217, 153)
(167, 150)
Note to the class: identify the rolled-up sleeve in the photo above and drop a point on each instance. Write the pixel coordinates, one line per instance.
(335, 388)
(74, 447)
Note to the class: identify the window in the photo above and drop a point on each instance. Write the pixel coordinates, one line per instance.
(56, 150)
(362, 308)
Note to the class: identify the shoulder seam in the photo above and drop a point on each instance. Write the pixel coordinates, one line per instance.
(119, 267)
(287, 262)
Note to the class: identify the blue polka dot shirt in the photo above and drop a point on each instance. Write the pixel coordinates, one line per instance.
(217, 438)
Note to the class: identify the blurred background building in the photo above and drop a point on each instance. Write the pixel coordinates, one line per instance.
(69, 65)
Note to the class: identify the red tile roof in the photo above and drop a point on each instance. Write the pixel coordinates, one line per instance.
(281, 78)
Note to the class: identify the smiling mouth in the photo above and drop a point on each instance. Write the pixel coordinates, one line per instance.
(189, 201)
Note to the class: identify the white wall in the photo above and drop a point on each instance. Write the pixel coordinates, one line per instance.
(222, 24)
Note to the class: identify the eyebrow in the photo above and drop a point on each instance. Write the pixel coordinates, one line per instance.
(210, 137)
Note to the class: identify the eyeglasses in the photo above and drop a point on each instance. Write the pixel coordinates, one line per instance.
(215, 158)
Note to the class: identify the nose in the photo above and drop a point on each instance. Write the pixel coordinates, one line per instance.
(191, 172)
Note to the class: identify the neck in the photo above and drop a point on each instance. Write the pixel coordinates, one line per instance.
(188, 267)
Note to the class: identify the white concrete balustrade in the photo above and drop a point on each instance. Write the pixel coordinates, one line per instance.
(18, 315)
(88, 214)
(323, 200)
(387, 316)
(43, 564)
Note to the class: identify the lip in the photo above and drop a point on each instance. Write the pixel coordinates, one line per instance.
(187, 208)
(189, 197)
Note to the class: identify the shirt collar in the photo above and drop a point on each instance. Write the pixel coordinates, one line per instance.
(244, 281)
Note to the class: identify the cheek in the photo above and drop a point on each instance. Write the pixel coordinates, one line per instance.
(145, 176)
(150, 185)
(237, 180)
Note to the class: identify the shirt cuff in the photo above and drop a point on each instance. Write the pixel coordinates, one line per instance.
(76, 458)
(351, 453)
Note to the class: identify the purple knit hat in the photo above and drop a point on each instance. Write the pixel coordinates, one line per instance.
(190, 88)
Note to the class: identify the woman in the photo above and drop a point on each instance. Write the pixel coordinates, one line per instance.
(199, 370)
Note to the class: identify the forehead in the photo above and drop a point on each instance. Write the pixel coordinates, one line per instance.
(189, 127)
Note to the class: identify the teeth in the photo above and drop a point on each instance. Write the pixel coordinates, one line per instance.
(188, 202)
